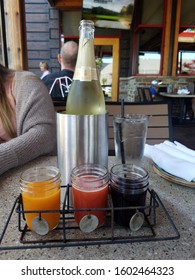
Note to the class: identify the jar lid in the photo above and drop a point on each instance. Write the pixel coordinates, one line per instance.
(89, 176)
(136, 221)
(88, 223)
(125, 177)
(40, 225)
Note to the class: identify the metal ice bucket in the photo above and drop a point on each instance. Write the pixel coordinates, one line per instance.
(80, 139)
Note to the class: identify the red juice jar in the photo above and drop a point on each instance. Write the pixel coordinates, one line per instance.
(89, 190)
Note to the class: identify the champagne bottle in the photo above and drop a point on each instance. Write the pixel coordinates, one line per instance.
(85, 96)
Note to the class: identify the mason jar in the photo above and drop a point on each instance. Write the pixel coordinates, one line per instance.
(89, 190)
(128, 185)
(40, 189)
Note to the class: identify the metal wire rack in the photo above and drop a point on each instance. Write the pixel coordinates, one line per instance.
(157, 226)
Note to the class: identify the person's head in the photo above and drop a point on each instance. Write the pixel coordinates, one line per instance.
(6, 112)
(68, 55)
(154, 84)
(43, 66)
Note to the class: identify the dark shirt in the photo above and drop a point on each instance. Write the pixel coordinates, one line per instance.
(153, 91)
(49, 80)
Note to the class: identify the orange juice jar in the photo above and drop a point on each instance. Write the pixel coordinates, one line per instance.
(89, 190)
(40, 188)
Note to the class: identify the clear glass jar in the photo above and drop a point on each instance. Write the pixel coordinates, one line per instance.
(90, 190)
(40, 189)
(128, 185)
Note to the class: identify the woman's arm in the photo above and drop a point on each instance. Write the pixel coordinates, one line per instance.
(36, 123)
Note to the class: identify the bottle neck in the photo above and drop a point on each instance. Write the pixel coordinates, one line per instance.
(86, 29)
(86, 66)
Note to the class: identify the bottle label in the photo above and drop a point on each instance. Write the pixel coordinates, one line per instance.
(85, 74)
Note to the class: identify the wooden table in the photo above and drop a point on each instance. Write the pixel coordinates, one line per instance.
(182, 102)
(178, 200)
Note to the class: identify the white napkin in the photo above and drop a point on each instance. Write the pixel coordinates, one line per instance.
(183, 91)
(174, 158)
(183, 148)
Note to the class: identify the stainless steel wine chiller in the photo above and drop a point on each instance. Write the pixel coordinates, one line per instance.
(80, 139)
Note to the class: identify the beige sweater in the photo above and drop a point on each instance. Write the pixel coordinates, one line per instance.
(36, 123)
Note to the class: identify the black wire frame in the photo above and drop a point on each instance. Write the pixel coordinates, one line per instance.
(68, 233)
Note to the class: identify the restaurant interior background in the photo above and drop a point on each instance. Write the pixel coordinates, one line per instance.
(160, 42)
(157, 45)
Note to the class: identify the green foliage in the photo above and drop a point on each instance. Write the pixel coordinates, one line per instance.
(98, 61)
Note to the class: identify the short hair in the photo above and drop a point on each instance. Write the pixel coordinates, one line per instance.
(44, 64)
(69, 53)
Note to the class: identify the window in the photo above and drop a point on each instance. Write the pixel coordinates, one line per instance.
(148, 34)
(149, 63)
(109, 53)
(186, 39)
(149, 51)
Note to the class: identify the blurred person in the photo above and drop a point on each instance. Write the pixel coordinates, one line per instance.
(27, 119)
(44, 67)
(154, 89)
(190, 67)
(67, 59)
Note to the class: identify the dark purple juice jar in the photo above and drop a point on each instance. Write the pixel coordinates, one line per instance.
(128, 185)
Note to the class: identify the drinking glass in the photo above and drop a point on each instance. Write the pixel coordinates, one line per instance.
(129, 137)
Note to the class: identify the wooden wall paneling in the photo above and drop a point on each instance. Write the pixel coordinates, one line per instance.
(159, 126)
(42, 24)
(14, 35)
(3, 53)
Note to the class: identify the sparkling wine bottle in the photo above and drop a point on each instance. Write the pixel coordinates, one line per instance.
(85, 96)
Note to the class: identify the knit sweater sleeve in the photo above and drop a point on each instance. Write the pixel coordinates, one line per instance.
(36, 123)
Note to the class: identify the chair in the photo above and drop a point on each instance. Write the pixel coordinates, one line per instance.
(160, 123)
(147, 95)
(63, 85)
(141, 94)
